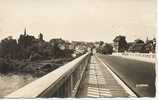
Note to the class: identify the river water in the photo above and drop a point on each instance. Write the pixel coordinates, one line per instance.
(10, 83)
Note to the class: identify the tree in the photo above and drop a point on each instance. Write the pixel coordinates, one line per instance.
(150, 45)
(25, 40)
(28, 45)
(138, 46)
(46, 50)
(139, 41)
(9, 48)
(56, 47)
(107, 49)
(101, 43)
(154, 45)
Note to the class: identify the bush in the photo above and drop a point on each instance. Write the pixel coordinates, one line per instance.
(35, 57)
(106, 49)
(6, 67)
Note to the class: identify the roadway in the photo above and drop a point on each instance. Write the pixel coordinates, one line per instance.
(137, 75)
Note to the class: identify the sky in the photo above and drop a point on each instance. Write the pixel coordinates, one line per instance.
(82, 20)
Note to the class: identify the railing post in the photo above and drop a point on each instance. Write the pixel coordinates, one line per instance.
(69, 89)
(71, 84)
(66, 88)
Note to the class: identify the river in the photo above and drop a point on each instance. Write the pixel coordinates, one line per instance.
(10, 83)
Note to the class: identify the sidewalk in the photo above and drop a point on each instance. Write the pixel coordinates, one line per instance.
(100, 83)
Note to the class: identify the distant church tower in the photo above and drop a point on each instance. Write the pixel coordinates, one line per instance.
(40, 37)
(147, 40)
(25, 32)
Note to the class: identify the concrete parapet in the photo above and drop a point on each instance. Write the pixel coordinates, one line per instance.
(147, 57)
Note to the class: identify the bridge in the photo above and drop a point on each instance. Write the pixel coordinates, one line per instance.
(94, 76)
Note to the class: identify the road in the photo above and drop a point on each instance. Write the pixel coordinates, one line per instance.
(137, 75)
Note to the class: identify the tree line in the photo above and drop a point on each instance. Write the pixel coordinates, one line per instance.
(27, 54)
(121, 45)
(31, 48)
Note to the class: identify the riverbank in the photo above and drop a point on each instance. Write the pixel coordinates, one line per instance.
(16, 74)
(34, 68)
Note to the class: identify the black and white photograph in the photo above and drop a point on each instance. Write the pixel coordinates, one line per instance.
(77, 48)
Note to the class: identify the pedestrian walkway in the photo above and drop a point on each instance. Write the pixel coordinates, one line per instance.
(100, 83)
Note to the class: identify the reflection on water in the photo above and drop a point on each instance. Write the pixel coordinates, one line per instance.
(10, 83)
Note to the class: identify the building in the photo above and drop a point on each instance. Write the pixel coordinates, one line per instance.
(120, 44)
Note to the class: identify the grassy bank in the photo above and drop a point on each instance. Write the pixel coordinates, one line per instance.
(34, 68)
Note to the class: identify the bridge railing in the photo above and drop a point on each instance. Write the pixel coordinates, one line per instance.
(62, 82)
(145, 55)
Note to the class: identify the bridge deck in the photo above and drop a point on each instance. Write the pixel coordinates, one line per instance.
(100, 83)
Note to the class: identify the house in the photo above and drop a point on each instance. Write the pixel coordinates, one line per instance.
(120, 44)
